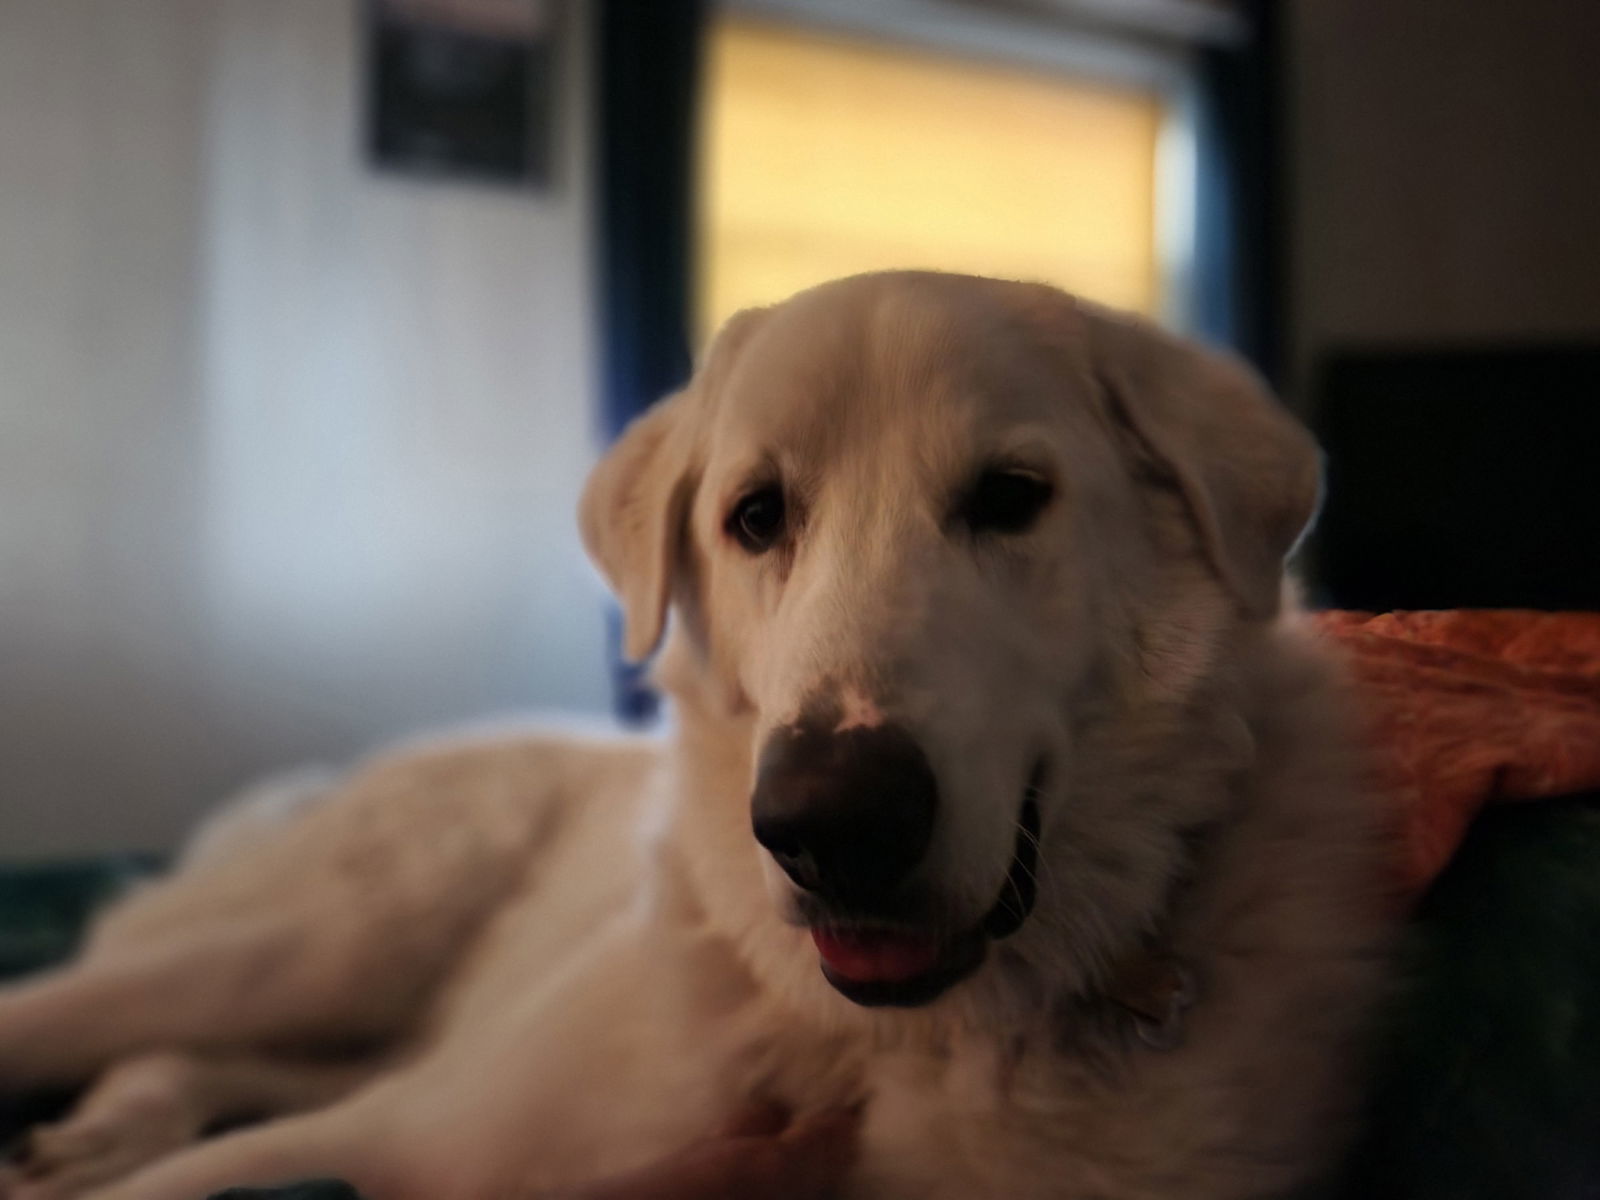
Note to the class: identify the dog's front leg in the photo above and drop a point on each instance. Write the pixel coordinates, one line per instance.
(223, 986)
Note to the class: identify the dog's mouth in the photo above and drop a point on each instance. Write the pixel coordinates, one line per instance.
(875, 965)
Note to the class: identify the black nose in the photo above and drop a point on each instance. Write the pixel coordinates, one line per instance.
(847, 815)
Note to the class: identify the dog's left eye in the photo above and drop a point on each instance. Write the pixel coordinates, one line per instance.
(1004, 500)
(757, 520)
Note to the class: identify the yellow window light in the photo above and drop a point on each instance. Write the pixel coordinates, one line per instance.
(823, 156)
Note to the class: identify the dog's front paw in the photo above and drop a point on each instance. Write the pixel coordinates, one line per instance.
(67, 1160)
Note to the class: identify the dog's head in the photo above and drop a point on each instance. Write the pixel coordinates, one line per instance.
(957, 563)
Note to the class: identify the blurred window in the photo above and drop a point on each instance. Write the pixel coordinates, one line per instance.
(822, 155)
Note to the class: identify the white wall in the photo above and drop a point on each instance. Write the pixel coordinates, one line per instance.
(1446, 184)
(288, 449)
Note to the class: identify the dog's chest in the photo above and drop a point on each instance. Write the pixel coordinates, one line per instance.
(951, 1125)
(986, 1121)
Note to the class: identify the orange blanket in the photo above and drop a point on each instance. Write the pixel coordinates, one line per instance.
(1470, 707)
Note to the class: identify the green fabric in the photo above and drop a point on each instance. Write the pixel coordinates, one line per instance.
(1486, 1073)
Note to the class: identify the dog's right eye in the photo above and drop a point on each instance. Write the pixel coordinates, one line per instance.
(1004, 500)
(757, 520)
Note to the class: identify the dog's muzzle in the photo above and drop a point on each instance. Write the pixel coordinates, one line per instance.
(848, 815)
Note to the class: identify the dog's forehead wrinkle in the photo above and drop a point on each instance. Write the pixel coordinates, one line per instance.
(884, 349)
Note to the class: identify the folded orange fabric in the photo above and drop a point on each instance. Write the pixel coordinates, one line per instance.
(1470, 707)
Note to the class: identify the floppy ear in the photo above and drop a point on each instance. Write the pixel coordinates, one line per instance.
(635, 508)
(1248, 471)
(632, 517)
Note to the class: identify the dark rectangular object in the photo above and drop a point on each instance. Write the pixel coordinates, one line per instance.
(461, 88)
(1460, 478)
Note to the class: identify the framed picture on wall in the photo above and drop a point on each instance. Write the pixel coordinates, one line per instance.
(461, 89)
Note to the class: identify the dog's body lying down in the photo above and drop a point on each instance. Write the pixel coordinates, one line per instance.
(1060, 862)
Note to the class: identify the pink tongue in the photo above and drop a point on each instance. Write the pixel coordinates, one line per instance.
(875, 956)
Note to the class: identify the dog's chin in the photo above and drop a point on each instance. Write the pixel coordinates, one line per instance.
(881, 964)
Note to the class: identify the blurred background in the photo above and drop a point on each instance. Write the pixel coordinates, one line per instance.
(314, 314)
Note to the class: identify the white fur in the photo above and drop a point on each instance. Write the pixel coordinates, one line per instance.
(549, 959)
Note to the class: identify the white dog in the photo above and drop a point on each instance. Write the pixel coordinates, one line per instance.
(1060, 861)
